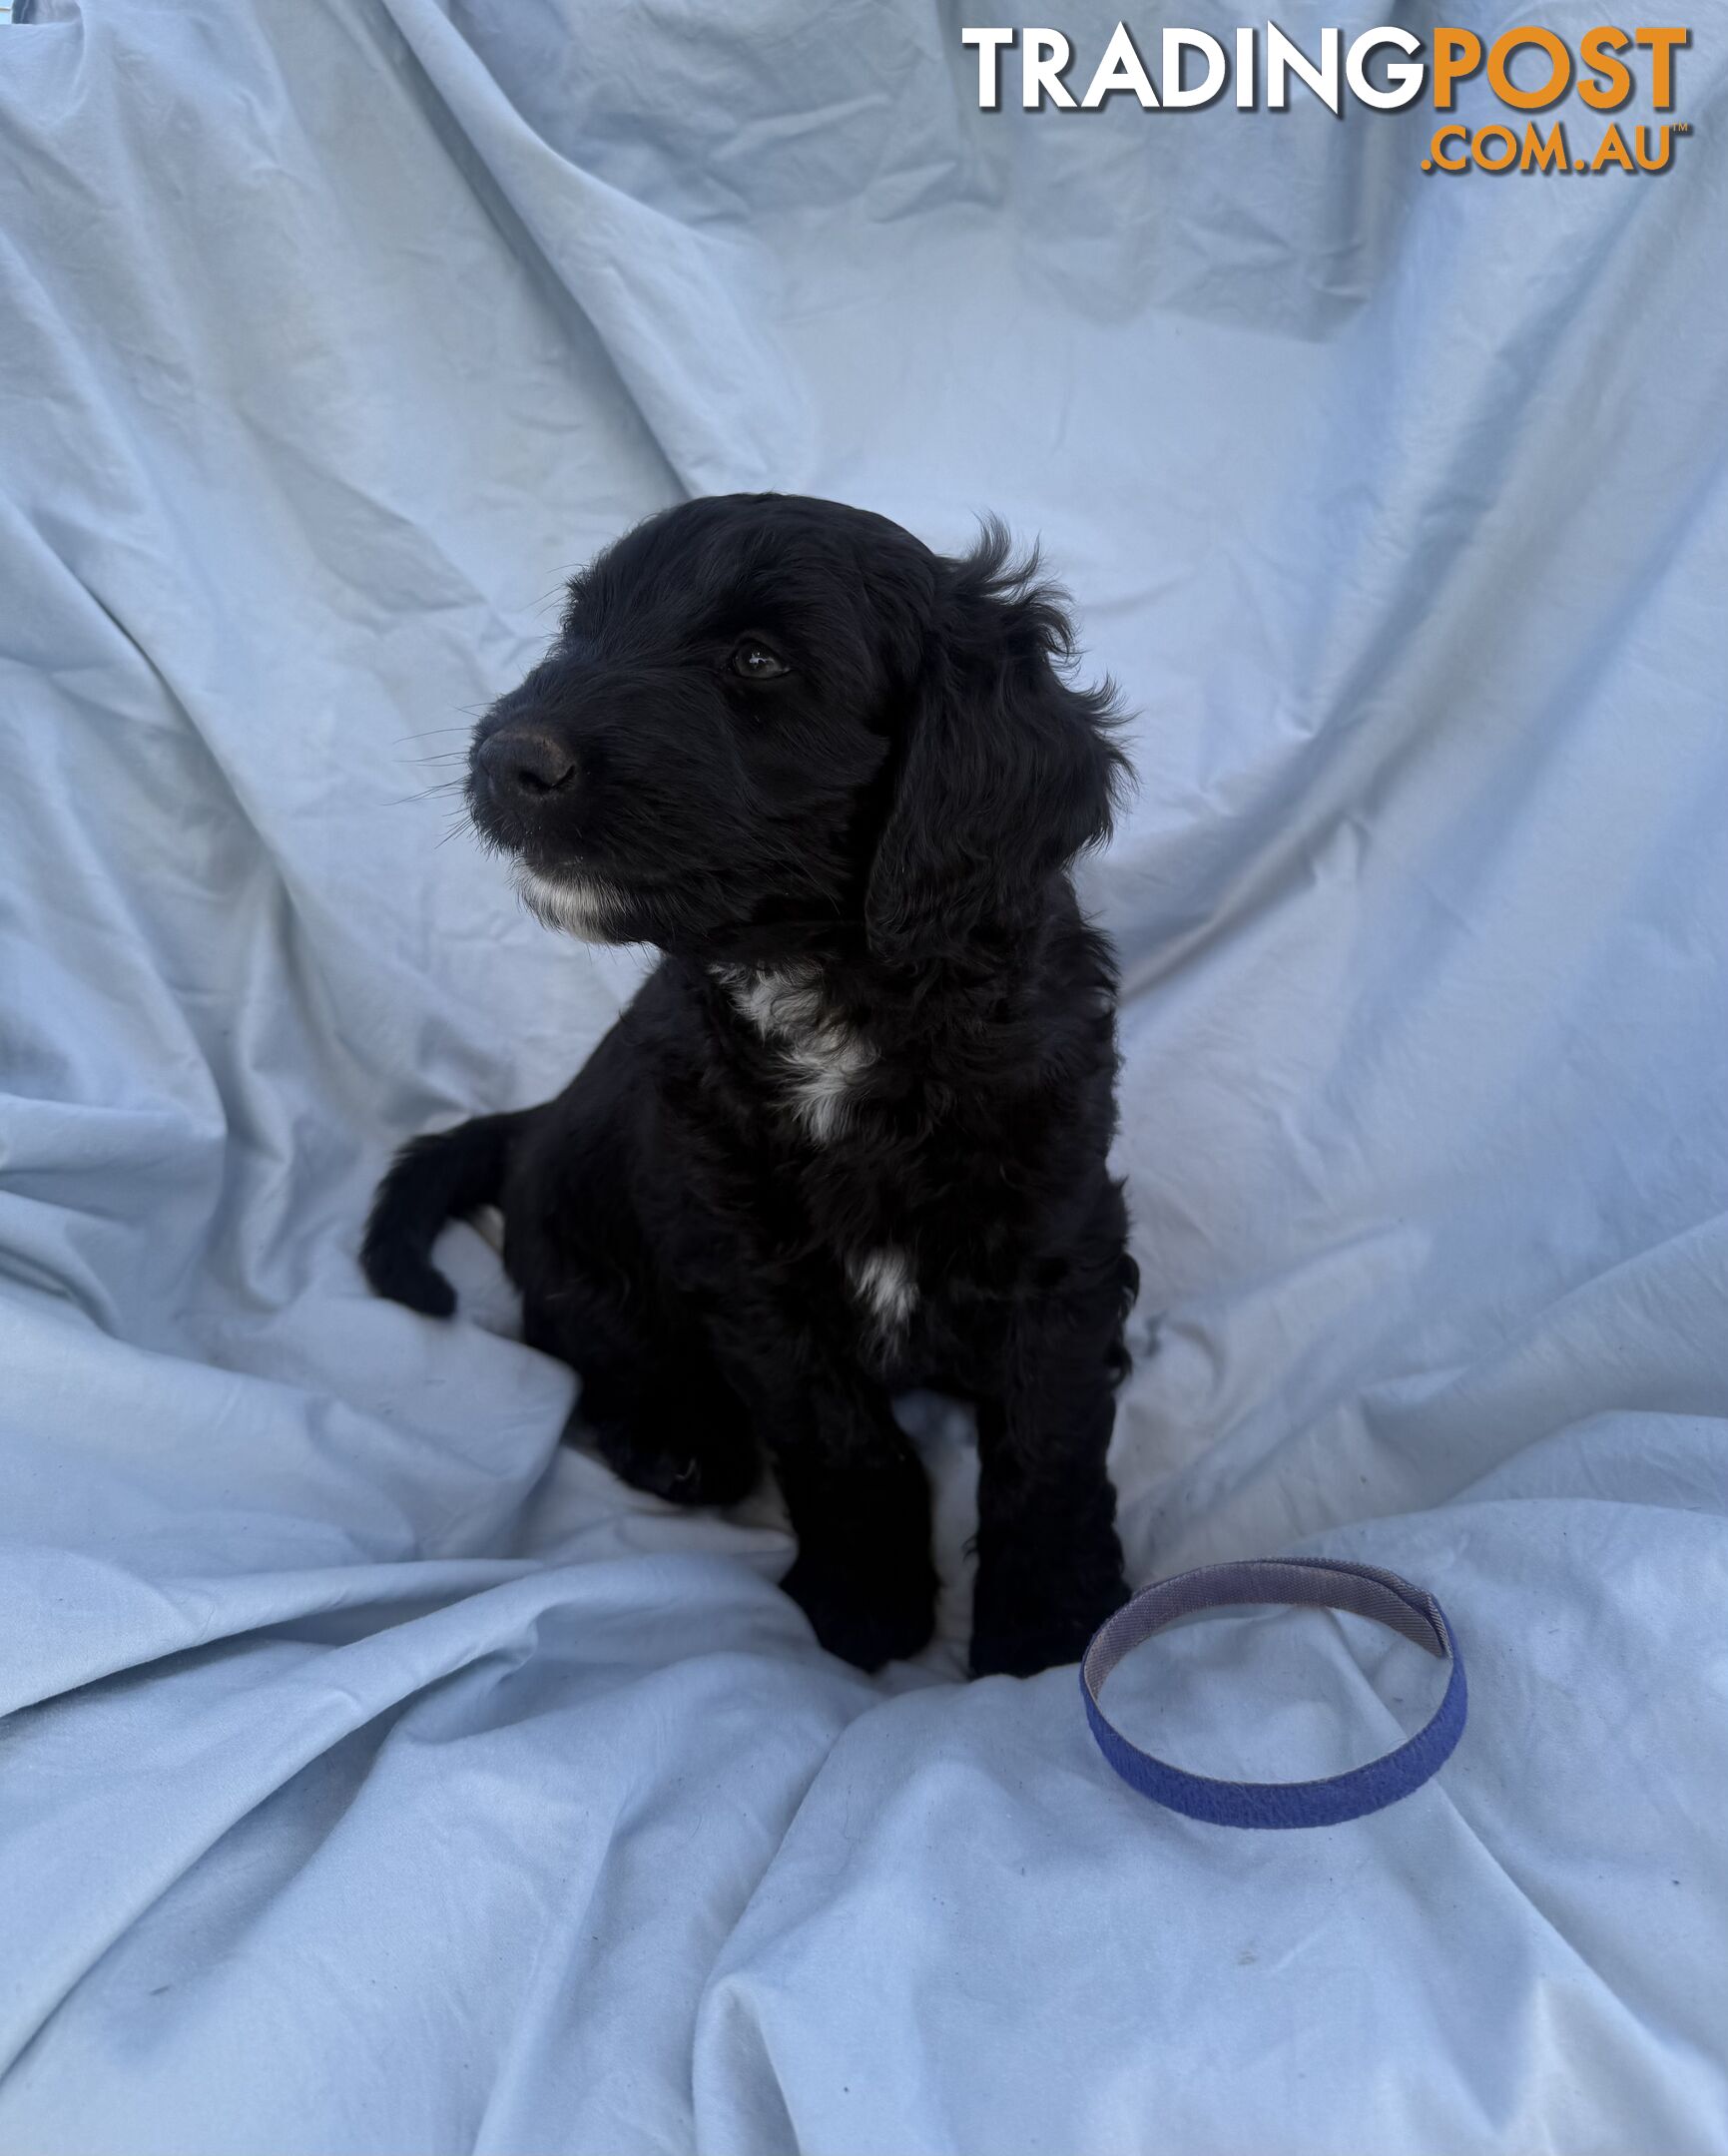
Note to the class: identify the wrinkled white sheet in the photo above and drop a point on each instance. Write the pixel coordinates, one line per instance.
(383, 1777)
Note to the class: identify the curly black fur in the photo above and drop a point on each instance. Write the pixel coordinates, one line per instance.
(850, 1135)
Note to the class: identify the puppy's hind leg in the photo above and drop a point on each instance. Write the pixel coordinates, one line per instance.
(661, 1414)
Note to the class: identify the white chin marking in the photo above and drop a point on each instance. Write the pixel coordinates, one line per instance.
(582, 905)
(825, 1058)
(885, 1284)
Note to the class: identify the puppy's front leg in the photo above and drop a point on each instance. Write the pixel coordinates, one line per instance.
(859, 1502)
(1049, 1564)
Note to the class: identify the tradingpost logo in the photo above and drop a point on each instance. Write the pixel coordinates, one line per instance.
(1528, 69)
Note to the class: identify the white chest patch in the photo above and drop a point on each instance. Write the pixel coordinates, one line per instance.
(824, 1057)
(886, 1287)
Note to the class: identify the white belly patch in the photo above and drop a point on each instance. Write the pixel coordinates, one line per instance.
(884, 1286)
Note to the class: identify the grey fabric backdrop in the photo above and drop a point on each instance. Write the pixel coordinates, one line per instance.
(383, 1777)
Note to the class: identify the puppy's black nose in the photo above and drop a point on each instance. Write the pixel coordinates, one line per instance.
(524, 759)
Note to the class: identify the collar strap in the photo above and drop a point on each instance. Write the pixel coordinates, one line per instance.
(1315, 1583)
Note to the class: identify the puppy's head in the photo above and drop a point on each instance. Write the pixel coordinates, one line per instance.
(771, 725)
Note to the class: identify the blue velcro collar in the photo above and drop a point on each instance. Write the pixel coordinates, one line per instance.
(1323, 1583)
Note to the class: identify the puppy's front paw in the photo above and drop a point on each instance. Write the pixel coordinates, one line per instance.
(866, 1619)
(720, 1471)
(1024, 1622)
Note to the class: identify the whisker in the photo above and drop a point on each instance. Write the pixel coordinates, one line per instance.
(444, 785)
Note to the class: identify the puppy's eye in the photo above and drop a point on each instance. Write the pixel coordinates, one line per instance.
(754, 662)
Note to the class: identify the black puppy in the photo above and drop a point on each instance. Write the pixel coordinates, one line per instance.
(850, 1135)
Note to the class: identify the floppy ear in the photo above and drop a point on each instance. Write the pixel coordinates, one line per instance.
(1005, 771)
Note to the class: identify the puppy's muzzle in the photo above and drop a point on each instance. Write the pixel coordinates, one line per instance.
(521, 764)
